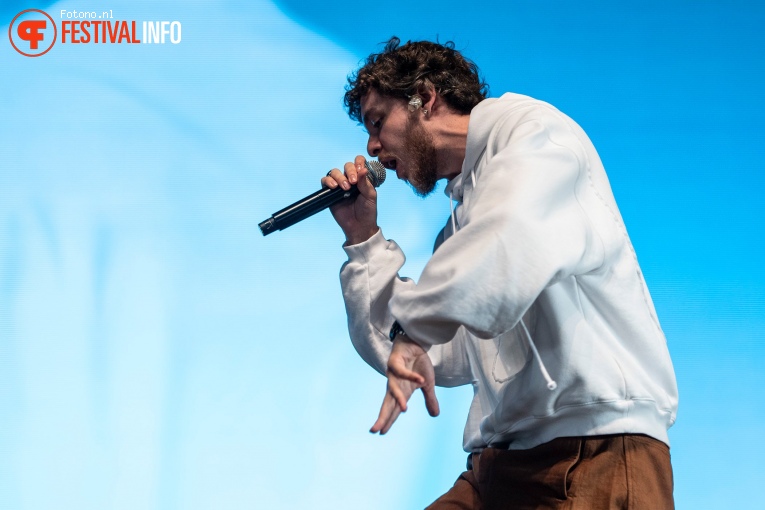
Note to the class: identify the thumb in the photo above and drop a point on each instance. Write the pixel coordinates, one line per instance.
(397, 366)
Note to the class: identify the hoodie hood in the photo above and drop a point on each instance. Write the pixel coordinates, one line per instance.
(483, 118)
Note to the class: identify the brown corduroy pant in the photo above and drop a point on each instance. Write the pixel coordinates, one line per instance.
(572, 473)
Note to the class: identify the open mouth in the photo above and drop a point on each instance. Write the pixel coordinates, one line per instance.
(390, 164)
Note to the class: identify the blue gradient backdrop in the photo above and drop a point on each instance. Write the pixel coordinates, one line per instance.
(157, 353)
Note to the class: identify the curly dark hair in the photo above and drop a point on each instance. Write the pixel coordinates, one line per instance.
(401, 71)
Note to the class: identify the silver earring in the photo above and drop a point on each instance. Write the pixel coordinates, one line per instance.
(415, 102)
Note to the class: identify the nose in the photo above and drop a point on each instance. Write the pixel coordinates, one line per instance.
(373, 146)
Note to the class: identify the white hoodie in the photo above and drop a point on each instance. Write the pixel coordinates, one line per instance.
(540, 261)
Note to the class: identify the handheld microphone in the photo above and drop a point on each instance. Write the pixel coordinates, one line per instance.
(318, 201)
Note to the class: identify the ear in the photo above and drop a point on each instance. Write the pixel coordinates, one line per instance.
(430, 98)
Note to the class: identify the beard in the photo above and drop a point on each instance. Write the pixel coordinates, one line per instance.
(421, 154)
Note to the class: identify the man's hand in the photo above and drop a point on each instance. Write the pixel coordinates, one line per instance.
(409, 368)
(357, 217)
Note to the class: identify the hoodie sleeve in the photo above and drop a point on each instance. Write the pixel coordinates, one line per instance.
(369, 281)
(523, 229)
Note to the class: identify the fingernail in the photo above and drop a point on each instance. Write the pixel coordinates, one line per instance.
(346, 185)
(353, 179)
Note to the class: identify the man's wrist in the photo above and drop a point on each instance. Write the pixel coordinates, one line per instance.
(361, 236)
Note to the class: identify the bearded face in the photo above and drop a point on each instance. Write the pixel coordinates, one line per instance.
(420, 152)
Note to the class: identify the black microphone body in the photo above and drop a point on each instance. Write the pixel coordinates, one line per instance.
(318, 201)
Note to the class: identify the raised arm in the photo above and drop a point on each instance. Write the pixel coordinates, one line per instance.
(522, 230)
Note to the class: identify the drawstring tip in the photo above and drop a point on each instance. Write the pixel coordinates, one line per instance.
(551, 385)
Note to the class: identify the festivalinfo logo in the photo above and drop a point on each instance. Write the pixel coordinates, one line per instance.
(34, 32)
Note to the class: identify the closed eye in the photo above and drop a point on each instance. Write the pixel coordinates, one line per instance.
(374, 125)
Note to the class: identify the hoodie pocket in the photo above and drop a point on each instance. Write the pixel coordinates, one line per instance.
(513, 354)
(513, 351)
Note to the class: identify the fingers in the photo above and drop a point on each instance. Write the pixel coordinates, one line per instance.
(366, 187)
(394, 390)
(393, 404)
(391, 420)
(389, 411)
(357, 174)
(334, 179)
(399, 370)
(360, 161)
(431, 402)
(353, 173)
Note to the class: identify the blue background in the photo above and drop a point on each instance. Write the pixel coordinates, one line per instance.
(157, 352)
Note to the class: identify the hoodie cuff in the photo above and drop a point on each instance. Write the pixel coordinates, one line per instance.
(363, 251)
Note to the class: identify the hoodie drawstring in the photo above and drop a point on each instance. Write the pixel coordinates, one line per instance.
(551, 385)
(451, 207)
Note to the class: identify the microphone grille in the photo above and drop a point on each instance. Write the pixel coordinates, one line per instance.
(376, 172)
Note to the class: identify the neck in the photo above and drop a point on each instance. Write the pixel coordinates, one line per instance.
(451, 145)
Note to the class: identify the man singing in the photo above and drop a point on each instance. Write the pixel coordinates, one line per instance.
(533, 295)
